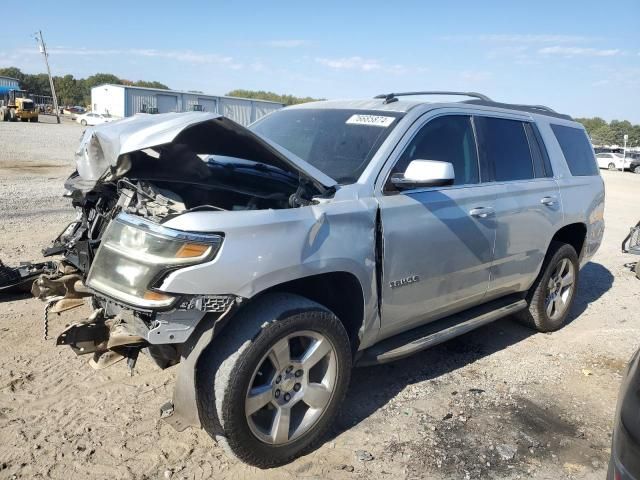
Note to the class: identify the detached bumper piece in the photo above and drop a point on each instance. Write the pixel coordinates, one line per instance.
(631, 243)
(109, 340)
(19, 279)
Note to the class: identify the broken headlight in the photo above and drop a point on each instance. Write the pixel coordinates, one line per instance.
(135, 253)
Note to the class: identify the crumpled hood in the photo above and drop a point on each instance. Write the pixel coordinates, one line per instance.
(103, 147)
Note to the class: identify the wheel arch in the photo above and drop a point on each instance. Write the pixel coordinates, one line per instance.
(341, 292)
(574, 234)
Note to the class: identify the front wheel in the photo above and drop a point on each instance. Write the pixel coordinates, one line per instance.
(551, 296)
(83, 123)
(272, 383)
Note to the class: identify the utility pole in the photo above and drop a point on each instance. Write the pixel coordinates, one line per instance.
(43, 51)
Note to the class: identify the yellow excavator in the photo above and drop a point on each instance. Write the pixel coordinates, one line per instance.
(16, 104)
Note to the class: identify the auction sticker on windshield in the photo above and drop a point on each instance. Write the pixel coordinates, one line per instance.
(373, 120)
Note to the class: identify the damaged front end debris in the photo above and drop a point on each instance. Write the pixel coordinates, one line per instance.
(132, 176)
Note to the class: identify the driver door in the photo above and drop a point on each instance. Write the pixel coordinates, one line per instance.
(438, 241)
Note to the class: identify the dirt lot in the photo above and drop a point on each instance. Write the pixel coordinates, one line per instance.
(500, 402)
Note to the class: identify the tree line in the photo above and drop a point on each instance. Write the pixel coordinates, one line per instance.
(77, 91)
(70, 90)
(611, 133)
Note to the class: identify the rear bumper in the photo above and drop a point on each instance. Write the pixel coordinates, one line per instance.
(625, 455)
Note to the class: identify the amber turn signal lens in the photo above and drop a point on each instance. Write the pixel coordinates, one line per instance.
(190, 250)
(156, 296)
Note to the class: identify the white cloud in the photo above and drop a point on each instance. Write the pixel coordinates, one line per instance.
(519, 38)
(187, 56)
(285, 43)
(361, 64)
(184, 56)
(350, 63)
(579, 51)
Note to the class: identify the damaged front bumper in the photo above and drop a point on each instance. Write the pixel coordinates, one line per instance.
(111, 337)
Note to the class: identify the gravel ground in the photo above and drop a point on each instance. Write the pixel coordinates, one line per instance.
(499, 402)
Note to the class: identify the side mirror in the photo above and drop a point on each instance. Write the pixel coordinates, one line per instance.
(424, 173)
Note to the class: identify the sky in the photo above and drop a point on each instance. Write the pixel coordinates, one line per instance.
(580, 57)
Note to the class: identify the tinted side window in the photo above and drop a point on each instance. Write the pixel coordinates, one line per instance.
(504, 146)
(541, 162)
(447, 139)
(576, 149)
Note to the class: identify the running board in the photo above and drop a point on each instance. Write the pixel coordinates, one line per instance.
(434, 333)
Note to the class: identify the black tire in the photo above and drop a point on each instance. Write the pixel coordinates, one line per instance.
(83, 122)
(636, 169)
(536, 315)
(12, 115)
(227, 368)
(34, 119)
(612, 166)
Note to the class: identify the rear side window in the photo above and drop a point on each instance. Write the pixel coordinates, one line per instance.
(504, 149)
(576, 149)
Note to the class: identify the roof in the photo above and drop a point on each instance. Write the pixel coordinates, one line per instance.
(183, 92)
(403, 104)
(9, 78)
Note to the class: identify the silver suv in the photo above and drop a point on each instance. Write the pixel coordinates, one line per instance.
(267, 261)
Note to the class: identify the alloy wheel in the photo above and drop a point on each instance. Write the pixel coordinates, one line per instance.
(560, 289)
(291, 387)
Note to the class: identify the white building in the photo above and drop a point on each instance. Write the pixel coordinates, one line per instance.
(125, 101)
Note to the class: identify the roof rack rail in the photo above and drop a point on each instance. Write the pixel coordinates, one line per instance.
(523, 108)
(521, 105)
(391, 97)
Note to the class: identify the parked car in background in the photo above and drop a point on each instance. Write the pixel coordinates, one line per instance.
(612, 161)
(625, 446)
(93, 119)
(73, 110)
(634, 162)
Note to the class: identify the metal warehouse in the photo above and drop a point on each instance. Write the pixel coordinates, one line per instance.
(125, 101)
(8, 83)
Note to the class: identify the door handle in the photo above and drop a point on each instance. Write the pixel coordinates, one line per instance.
(548, 201)
(481, 212)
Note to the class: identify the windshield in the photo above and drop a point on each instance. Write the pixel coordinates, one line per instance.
(339, 143)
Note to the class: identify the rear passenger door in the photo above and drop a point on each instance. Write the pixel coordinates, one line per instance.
(528, 208)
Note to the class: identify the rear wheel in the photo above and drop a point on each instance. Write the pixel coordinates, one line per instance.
(12, 115)
(612, 166)
(34, 119)
(551, 296)
(272, 383)
(83, 122)
(636, 169)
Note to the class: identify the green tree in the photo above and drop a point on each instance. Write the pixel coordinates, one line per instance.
(152, 84)
(68, 91)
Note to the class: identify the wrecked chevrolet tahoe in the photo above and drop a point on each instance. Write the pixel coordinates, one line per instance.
(264, 262)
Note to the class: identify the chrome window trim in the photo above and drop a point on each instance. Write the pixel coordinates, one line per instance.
(416, 126)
